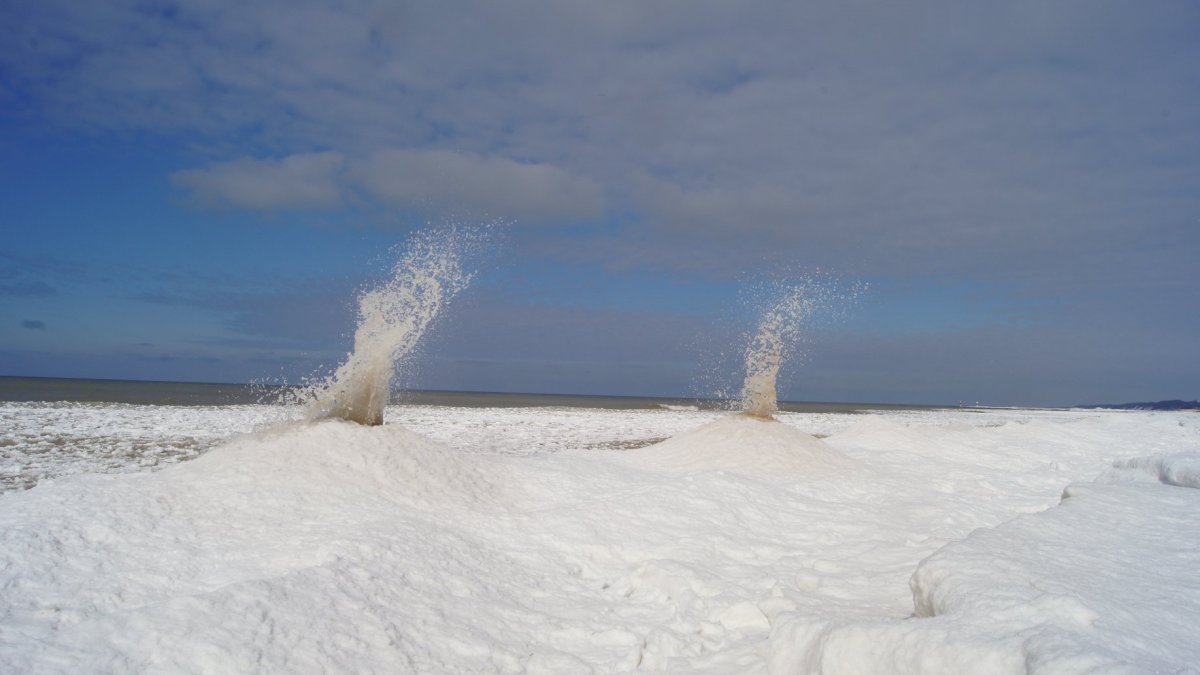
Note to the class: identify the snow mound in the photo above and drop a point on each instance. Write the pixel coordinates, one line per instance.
(746, 445)
(275, 523)
(1180, 469)
(334, 458)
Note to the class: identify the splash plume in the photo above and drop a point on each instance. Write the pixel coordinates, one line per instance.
(393, 318)
(766, 350)
(779, 333)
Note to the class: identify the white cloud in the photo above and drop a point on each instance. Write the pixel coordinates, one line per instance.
(425, 181)
(445, 180)
(304, 181)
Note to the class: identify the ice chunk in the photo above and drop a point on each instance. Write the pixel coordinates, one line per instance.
(1180, 469)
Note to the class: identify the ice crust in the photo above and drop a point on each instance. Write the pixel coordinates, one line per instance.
(40, 441)
(529, 541)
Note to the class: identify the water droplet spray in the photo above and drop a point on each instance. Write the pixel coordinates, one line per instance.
(778, 335)
(393, 318)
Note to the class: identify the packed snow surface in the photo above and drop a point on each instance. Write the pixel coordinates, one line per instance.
(571, 540)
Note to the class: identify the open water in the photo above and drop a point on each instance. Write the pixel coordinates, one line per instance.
(56, 390)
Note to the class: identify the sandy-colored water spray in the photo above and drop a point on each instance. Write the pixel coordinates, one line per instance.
(392, 320)
(779, 334)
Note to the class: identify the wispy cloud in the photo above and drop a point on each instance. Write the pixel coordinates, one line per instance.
(26, 288)
(26, 276)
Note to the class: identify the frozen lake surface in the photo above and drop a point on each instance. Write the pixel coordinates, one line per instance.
(576, 540)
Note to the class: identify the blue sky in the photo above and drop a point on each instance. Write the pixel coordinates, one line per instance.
(196, 191)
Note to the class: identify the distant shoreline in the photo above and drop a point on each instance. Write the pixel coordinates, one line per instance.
(1174, 404)
(21, 388)
(15, 388)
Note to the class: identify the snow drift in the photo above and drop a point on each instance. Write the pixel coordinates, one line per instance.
(739, 547)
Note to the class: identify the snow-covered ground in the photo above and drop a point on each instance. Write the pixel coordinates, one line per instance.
(576, 540)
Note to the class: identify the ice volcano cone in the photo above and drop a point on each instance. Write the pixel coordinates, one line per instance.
(743, 444)
(753, 441)
(393, 318)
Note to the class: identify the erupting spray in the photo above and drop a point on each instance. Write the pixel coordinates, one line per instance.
(392, 320)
